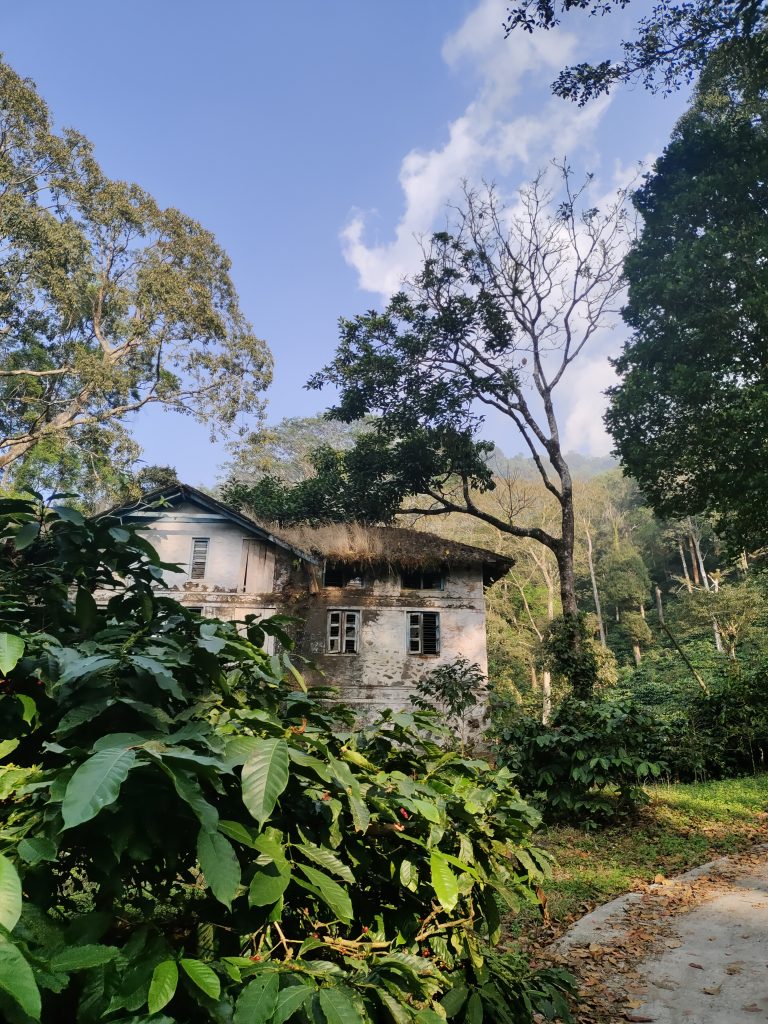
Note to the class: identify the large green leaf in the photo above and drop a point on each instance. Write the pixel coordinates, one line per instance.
(337, 1006)
(36, 849)
(202, 975)
(162, 989)
(24, 537)
(265, 776)
(10, 894)
(220, 865)
(11, 649)
(288, 1002)
(268, 883)
(444, 882)
(331, 892)
(189, 790)
(326, 859)
(81, 958)
(258, 1000)
(95, 785)
(17, 980)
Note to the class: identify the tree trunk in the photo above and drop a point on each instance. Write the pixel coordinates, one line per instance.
(694, 563)
(546, 696)
(636, 652)
(681, 549)
(595, 594)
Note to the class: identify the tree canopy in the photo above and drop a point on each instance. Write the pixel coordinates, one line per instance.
(672, 45)
(108, 302)
(503, 305)
(689, 414)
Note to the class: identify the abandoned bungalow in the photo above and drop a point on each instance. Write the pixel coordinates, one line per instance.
(379, 606)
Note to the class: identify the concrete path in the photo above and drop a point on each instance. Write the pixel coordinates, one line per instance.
(691, 950)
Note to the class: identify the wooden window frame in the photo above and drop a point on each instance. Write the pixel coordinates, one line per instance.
(415, 633)
(343, 625)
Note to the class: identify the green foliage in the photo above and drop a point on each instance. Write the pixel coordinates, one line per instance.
(454, 688)
(672, 44)
(587, 766)
(688, 416)
(570, 651)
(357, 484)
(108, 302)
(198, 840)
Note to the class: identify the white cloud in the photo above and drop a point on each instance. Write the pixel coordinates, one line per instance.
(493, 137)
(584, 404)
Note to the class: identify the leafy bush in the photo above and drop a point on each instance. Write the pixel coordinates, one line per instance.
(717, 735)
(588, 764)
(454, 689)
(570, 651)
(199, 839)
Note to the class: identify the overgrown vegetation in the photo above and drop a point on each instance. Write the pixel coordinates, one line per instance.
(683, 826)
(188, 835)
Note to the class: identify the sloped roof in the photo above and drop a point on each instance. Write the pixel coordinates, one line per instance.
(152, 505)
(394, 547)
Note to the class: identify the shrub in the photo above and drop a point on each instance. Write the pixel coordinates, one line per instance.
(588, 764)
(454, 689)
(198, 839)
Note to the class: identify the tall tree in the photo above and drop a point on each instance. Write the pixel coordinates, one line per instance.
(107, 301)
(672, 45)
(505, 302)
(689, 414)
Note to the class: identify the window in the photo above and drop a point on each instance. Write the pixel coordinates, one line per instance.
(342, 575)
(423, 632)
(422, 581)
(199, 558)
(343, 634)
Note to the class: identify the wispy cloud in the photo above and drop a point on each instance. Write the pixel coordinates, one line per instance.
(499, 135)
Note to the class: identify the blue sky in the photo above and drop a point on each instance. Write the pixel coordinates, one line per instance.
(315, 139)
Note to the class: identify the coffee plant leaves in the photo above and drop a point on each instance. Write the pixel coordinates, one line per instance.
(36, 849)
(80, 958)
(95, 784)
(265, 776)
(219, 865)
(162, 988)
(201, 975)
(444, 882)
(337, 1005)
(326, 859)
(258, 1000)
(256, 848)
(330, 892)
(10, 894)
(11, 650)
(17, 979)
(289, 1000)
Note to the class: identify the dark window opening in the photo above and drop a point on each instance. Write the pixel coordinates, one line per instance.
(422, 581)
(342, 575)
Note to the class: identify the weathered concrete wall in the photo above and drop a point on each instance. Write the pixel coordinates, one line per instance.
(383, 674)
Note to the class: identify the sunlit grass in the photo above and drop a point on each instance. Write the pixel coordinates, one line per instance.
(683, 826)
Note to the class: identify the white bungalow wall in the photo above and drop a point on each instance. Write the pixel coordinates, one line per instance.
(237, 562)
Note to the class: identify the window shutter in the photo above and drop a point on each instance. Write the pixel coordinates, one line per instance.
(199, 558)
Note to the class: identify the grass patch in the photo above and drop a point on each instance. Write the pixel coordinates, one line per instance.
(683, 826)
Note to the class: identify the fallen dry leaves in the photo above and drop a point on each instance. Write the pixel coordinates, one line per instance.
(608, 972)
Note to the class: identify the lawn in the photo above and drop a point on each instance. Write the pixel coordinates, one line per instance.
(683, 826)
